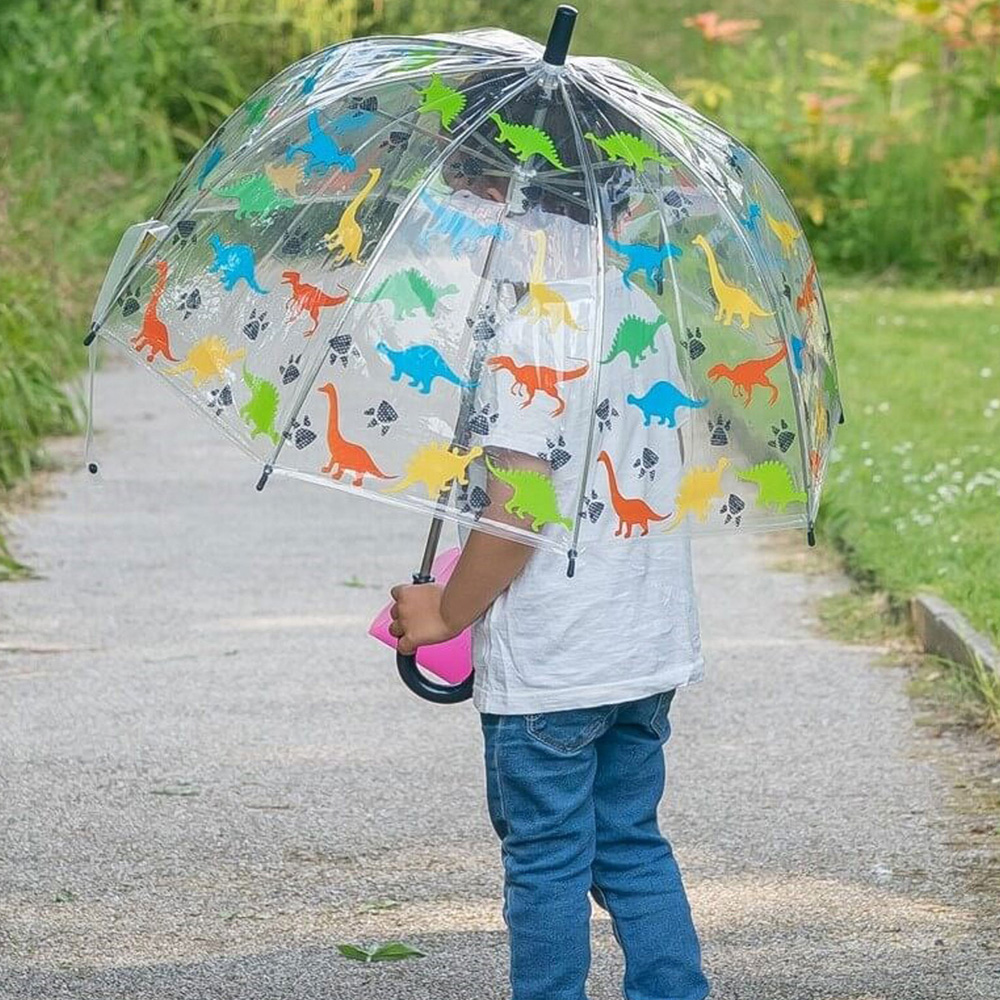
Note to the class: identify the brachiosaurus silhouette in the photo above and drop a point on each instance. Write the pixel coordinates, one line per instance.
(346, 236)
(308, 298)
(153, 335)
(733, 300)
(536, 378)
(545, 302)
(749, 373)
(346, 456)
(633, 512)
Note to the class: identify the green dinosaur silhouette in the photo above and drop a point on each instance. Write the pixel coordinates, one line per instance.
(775, 486)
(630, 148)
(526, 141)
(534, 496)
(634, 337)
(257, 195)
(446, 101)
(261, 409)
(409, 291)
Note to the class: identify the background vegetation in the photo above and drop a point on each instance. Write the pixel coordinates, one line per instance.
(879, 116)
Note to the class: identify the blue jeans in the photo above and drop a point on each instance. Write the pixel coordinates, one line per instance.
(573, 797)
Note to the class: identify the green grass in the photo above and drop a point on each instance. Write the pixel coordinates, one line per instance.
(913, 496)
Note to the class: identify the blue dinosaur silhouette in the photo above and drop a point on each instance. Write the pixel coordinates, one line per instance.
(210, 164)
(643, 257)
(797, 345)
(323, 152)
(463, 231)
(662, 400)
(749, 221)
(233, 261)
(421, 363)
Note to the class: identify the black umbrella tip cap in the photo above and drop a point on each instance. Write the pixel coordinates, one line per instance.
(559, 35)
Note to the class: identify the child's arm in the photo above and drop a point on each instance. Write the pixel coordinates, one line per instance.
(426, 613)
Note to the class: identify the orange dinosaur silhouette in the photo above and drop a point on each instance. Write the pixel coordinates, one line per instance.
(806, 299)
(632, 512)
(536, 378)
(308, 298)
(345, 456)
(750, 373)
(153, 335)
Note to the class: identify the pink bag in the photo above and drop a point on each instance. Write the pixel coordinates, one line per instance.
(451, 660)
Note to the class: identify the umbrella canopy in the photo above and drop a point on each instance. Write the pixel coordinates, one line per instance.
(407, 263)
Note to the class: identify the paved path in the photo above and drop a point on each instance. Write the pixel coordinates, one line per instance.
(189, 635)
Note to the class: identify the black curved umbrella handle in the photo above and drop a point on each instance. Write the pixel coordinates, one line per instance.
(423, 686)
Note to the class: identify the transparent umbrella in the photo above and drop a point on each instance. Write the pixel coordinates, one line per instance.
(436, 271)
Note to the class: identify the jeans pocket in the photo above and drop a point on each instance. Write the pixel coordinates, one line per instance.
(570, 730)
(660, 720)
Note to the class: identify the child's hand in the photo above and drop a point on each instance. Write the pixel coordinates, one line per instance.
(416, 616)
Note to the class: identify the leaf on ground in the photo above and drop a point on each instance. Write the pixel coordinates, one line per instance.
(352, 951)
(64, 896)
(175, 790)
(393, 951)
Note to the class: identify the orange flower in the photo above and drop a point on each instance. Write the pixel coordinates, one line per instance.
(714, 29)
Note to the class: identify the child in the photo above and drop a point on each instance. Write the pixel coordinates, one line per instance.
(575, 677)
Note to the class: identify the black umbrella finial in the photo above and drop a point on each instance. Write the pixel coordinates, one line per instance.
(559, 35)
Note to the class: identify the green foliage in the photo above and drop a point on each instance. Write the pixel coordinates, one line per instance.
(391, 951)
(913, 490)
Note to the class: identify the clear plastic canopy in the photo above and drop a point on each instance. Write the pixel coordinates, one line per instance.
(409, 267)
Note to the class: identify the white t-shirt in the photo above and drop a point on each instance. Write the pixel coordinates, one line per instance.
(626, 624)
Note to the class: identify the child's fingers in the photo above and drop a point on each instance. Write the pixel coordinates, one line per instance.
(405, 646)
(394, 612)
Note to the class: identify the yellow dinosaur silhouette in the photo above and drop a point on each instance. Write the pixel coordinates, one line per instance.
(208, 358)
(787, 233)
(733, 301)
(436, 466)
(696, 491)
(286, 177)
(346, 236)
(544, 302)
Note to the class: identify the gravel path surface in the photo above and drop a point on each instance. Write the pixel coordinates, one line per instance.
(209, 774)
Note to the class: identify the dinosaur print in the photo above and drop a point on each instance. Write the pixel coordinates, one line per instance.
(323, 152)
(750, 220)
(346, 236)
(341, 181)
(699, 486)
(733, 301)
(535, 378)
(775, 487)
(213, 160)
(634, 337)
(261, 409)
(286, 177)
(153, 335)
(545, 302)
(306, 298)
(750, 373)
(437, 467)
(463, 231)
(345, 456)
(806, 299)
(421, 363)
(526, 141)
(633, 512)
(643, 257)
(662, 400)
(534, 496)
(257, 196)
(233, 261)
(797, 345)
(409, 291)
(208, 358)
(629, 148)
(787, 234)
(350, 120)
(446, 101)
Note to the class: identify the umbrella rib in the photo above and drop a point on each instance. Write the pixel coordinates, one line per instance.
(598, 339)
(382, 246)
(641, 115)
